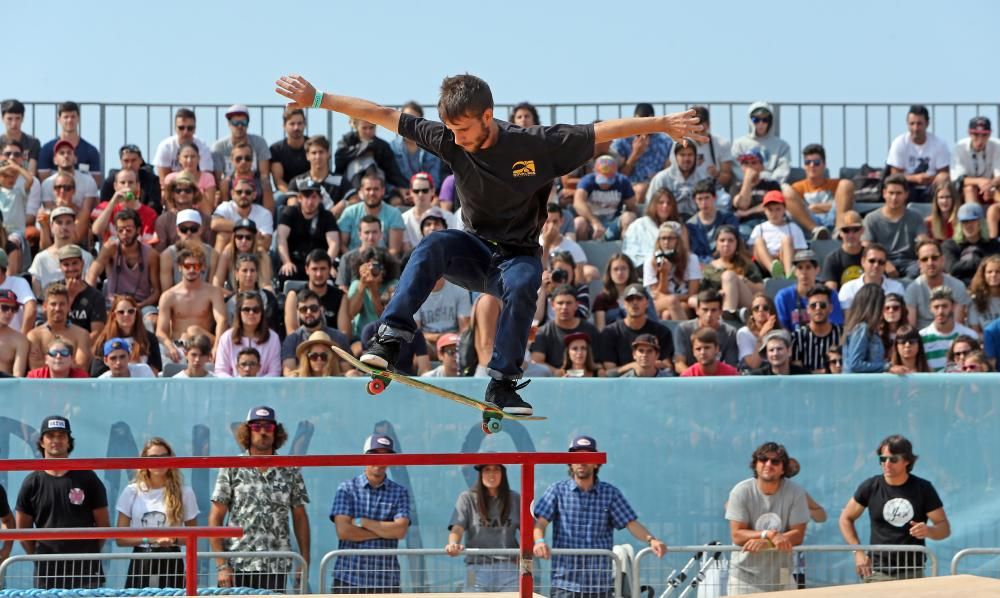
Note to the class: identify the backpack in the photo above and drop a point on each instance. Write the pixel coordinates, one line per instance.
(468, 359)
(868, 183)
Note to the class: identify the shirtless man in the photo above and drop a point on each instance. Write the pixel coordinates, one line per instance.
(57, 324)
(13, 345)
(189, 307)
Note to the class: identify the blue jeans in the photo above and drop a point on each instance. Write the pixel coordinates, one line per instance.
(502, 576)
(469, 262)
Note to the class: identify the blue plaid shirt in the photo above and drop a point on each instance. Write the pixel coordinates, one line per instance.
(583, 520)
(652, 161)
(387, 502)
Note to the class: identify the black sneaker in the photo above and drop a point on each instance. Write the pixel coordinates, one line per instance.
(382, 352)
(502, 394)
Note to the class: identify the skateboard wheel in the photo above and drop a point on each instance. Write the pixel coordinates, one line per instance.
(486, 429)
(375, 386)
(493, 426)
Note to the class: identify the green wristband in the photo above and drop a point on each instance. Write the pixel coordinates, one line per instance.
(318, 99)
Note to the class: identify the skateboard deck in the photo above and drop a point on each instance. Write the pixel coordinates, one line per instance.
(381, 378)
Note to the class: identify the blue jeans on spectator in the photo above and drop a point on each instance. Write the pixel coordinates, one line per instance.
(471, 263)
(501, 576)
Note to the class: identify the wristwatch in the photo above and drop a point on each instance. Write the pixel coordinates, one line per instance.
(763, 535)
(650, 538)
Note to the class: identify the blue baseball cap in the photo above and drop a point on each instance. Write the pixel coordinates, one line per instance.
(583, 443)
(262, 413)
(970, 212)
(113, 344)
(379, 442)
(752, 153)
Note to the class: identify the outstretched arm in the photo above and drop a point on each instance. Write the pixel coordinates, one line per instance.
(302, 95)
(678, 125)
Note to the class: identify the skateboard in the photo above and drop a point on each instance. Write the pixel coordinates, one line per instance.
(380, 379)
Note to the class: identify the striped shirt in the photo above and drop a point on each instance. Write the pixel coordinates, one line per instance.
(936, 343)
(810, 350)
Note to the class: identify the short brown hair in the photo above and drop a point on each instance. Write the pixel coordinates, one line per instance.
(464, 95)
(706, 336)
(319, 140)
(57, 288)
(290, 112)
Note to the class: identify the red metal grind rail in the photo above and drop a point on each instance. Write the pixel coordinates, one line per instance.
(527, 461)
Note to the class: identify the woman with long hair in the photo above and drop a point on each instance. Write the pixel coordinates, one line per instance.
(59, 361)
(488, 511)
(247, 278)
(243, 241)
(578, 360)
(640, 238)
(733, 272)
(985, 293)
(249, 330)
(189, 158)
(763, 319)
(672, 274)
(943, 220)
(609, 305)
(181, 193)
(960, 348)
(316, 357)
(863, 347)
(894, 315)
(124, 322)
(908, 356)
(157, 497)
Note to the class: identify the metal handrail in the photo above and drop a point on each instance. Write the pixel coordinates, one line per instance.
(953, 570)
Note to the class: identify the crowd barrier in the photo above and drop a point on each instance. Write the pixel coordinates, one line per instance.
(987, 562)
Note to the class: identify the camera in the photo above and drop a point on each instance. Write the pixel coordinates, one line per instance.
(375, 268)
(664, 255)
(560, 276)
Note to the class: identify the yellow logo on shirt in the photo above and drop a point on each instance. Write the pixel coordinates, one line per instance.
(524, 168)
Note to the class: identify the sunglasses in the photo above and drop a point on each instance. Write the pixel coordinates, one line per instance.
(64, 187)
(320, 355)
(970, 368)
(308, 309)
(12, 154)
(249, 309)
(836, 361)
(875, 262)
(190, 266)
(243, 192)
(262, 426)
(185, 127)
(760, 119)
(908, 341)
(239, 122)
(960, 354)
(450, 351)
(248, 364)
(892, 307)
(890, 458)
(64, 352)
(126, 311)
(183, 189)
(818, 305)
(930, 258)
(813, 162)
(188, 229)
(7, 308)
(243, 237)
(421, 191)
(242, 158)
(759, 308)
(772, 460)
(851, 229)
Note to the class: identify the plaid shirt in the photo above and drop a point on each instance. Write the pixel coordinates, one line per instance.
(652, 161)
(583, 520)
(386, 502)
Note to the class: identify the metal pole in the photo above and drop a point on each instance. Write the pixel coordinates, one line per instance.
(191, 566)
(527, 528)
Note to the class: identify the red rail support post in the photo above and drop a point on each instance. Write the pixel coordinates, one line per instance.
(527, 530)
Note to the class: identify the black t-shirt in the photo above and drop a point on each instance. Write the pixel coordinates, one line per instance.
(841, 267)
(793, 370)
(333, 188)
(331, 303)
(293, 161)
(616, 341)
(88, 307)
(149, 183)
(4, 505)
(549, 340)
(505, 187)
(64, 501)
(306, 235)
(892, 508)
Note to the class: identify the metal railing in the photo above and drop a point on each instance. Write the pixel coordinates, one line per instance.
(451, 574)
(991, 569)
(853, 133)
(685, 569)
(207, 578)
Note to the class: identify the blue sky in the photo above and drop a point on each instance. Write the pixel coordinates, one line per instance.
(558, 51)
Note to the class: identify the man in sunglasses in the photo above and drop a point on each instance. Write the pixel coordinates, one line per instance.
(165, 158)
(424, 199)
(238, 117)
(242, 158)
(447, 352)
(873, 266)
(261, 501)
(310, 315)
(844, 263)
(767, 516)
(902, 508)
(188, 229)
(190, 307)
(792, 302)
(812, 341)
(825, 200)
(14, 345)
(131, 159)
(331, 297)
(241, 207)
(932, 276)
(776, 152)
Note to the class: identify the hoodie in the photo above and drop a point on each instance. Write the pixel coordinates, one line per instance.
(776, 152)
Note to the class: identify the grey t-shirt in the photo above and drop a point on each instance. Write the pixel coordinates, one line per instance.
(768, 570)
(898, 238)
(918, 296)
(728, 350)
(549, 340)
(495, 532)
(222, 154)
(442, 309)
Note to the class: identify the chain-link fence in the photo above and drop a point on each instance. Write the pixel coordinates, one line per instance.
(432, 571)
(145, 570)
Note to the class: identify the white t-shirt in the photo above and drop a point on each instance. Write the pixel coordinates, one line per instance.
(572, 247)
(45, 267)
(148, 508)
(691, 272)
(930, 157)
(85, 187)
(184, 374)
(22, 289)
(135, 370)
(965, 162)
(773, 234)
(721, 147)
(442, 309)
(166, 155)
(260, 215)
(411, 233)
(850, 289)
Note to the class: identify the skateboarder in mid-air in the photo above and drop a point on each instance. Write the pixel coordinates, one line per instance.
(503, 175)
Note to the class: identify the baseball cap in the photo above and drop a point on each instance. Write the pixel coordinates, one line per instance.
(434, 212)
(605, 169)
(446, 339)
(3, 259)
(773, 197)
(310, 185)
(980, 124)
(262, 413)
(115, 344)
(751, 154)
(634, 290)
(379, 442)
(646, 339)
(576, 336)
(61, 143)
(969, 212)
(8, 296)
(62, 211)
(245, 224)
(185, 216)
(69, 252)
(583, 443)
(238, 109)
(805, 255)
(54, 422)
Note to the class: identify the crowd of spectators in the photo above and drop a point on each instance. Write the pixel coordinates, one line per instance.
(235, 245)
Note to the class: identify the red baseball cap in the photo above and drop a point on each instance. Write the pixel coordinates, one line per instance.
(60, 143)
(773, 197)
(8, 296)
